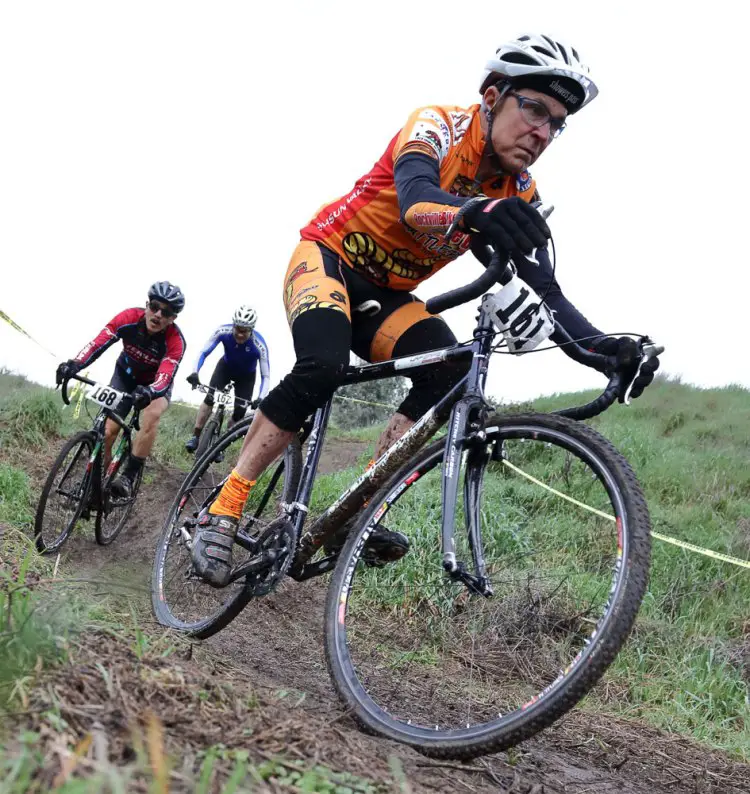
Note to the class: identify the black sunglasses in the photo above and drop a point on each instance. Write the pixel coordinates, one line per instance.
(157, 307)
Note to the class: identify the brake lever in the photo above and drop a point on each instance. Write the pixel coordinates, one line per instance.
(545, 210)
(649, 350)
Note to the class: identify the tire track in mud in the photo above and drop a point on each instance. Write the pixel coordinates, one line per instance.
(276, 646)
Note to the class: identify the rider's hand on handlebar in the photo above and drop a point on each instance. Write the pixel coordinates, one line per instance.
(193, 379)
(510, 224)
(142, 397)
(625, 357)
(67, 369)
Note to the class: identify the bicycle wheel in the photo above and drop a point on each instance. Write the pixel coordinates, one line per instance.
(114, 512)
(64, 494)
(420, 658)
(181, 599)
(207, 437)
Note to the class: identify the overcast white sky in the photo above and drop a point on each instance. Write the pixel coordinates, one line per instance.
(190, 141)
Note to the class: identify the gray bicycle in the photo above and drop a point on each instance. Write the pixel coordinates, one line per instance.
(529, 550)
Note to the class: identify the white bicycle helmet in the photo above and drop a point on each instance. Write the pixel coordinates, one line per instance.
(536, 61)
(245, 317)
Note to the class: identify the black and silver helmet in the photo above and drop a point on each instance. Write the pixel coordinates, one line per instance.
(167, 293)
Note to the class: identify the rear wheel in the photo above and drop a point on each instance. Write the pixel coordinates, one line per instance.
(460, 667)
(64, 494)
(181, 599)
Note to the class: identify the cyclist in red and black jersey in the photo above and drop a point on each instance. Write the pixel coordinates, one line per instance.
(153, 347)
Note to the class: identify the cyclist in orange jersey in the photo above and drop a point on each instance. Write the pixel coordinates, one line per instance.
(448, 168)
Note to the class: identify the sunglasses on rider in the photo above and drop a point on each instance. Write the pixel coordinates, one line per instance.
(157, 307)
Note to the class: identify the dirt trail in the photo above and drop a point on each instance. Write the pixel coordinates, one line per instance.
(276, 644)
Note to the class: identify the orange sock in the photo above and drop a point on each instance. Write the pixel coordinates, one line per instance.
(232, 497)
(370, 464)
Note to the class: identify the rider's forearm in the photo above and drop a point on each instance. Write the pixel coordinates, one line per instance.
(168, 366)
(424, 205)
(208, 348)
(541, 279)
(265, 378)
(101, 342)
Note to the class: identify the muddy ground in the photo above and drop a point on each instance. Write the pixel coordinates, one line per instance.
(275, 647)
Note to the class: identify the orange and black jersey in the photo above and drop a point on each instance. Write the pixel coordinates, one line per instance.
(391, 227)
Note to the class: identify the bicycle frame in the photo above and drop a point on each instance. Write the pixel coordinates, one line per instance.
(98, 429)
(463, 408)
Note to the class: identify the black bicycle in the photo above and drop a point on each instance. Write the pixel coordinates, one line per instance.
(78, 484)
(474, 640)
(215, 424)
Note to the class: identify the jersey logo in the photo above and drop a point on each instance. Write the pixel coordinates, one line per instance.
(523, 181)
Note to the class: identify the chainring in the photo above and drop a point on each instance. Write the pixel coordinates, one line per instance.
(279, 536)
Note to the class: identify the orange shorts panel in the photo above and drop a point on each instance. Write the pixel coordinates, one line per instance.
(394, 326)
(307, 286)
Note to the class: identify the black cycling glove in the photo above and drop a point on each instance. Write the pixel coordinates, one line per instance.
(511, 224)
(624, 357)
(142, 397)
(67, 369)
(193, 379)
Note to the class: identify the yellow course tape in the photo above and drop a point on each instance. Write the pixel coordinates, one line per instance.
(681, 543)
(78, 394)
(365, 402)
(12, 324)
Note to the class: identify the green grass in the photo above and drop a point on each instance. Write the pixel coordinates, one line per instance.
(218, 769)
(15, 496)
(29, 417)
(34, 625)
(34, 417)
(687, 668)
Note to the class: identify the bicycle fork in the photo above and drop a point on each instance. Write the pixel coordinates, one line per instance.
(466, 435)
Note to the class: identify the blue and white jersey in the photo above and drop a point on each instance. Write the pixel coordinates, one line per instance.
(240, 357)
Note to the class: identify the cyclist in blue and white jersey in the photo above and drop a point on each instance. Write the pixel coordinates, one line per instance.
(244, 348)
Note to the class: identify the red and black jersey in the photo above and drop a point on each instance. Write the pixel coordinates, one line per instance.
(151, 359)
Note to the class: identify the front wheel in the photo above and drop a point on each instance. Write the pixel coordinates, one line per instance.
(113, 511)
(552, 579)
(180, 598)
(208, 436)
(65, 493)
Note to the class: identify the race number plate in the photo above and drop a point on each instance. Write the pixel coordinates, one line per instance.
(518, 312)
(104, 396)
(223, 398)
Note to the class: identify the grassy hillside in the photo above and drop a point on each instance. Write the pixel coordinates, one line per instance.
(687, 666)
